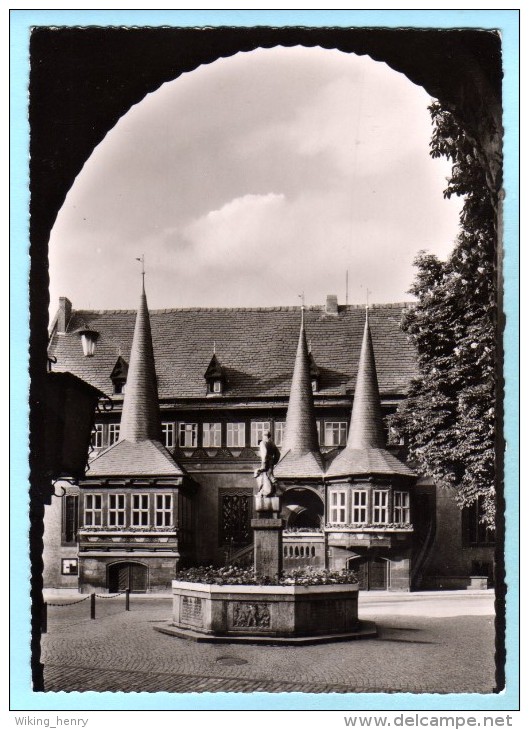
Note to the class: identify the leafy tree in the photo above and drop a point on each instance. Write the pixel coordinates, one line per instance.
(448, 417)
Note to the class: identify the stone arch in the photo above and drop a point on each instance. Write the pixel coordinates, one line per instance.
(303, 507)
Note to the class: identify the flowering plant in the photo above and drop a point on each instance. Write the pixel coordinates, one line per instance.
(234, 575)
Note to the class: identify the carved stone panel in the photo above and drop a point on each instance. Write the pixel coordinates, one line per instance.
(250, 616)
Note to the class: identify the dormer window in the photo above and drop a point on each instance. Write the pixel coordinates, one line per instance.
(314, 372)
(215, 377)
(118, 376)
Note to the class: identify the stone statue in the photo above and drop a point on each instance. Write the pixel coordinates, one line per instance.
(265, 474)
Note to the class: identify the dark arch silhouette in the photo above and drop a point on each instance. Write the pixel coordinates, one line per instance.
(82, 80)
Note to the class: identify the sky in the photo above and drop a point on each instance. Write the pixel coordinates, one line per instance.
(254, 179)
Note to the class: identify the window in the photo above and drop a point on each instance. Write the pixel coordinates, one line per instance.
(217, 386)
(401, 507)
(211, 435)
(69, 518)
(168, 434)
(338, 506)
(97, 436)
(335, 433)
(359, 506)
(93, 510)
(69, 566)
(279, 432)
(258, 430)
(140, 510)
(164, 510)
(116, 510)
(235, 435)
(119, 387)
(380, 506)
(318, 429)
(113, 433)
(187, 435)
(314, 384)
(476, 533)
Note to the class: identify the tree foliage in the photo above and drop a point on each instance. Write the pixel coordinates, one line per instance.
(448, 417)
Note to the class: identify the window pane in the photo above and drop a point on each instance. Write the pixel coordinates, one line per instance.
(211, 435)
(235, 434)
(258, 430)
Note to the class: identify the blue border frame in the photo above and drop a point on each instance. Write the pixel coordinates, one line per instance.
(22, 697)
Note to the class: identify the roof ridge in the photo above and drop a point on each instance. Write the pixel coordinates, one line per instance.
(278, 308)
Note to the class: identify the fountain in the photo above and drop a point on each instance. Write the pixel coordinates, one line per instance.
(267, 613)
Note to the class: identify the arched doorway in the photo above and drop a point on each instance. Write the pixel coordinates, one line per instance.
(372, 571)
(128, 575)
(303, 508)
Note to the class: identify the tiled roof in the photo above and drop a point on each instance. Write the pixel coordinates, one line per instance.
(140, 419)
(299, 465)
(356, 462)
(255, 346)
(138, 459)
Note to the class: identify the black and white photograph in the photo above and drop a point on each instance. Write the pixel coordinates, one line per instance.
(266, 310)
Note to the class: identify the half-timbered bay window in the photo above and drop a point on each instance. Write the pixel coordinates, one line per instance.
(401, 507)
(335, 433)
(211, 435)
(168, 434)
(116, 510)
(93, 510)
(187, 435)
(235, 437)
(163, 513)
(113, 433)
(258, 431)
(338, 502)
(359, 499)
(140, 510)
(380, 506)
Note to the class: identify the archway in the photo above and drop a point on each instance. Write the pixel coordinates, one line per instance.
(303, 508)
(372, 570)
(128, 575)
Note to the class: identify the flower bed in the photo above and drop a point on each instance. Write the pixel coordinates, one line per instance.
(235, 575)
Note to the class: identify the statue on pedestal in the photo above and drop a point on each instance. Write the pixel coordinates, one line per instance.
(265, 473)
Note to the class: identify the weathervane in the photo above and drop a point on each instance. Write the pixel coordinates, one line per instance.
(142, 261)
(302, 297)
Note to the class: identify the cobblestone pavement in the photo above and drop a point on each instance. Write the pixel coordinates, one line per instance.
(451, 650)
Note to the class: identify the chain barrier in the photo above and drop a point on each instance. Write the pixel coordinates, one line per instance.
(72, 603)
(116, 595)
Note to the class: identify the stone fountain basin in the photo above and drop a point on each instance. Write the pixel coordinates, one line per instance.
(268, 614)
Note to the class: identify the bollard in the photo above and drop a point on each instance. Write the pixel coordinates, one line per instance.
(127, 599)
(44, 619)
(92, 605)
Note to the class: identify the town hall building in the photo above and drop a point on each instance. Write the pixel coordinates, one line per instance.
(170, 480)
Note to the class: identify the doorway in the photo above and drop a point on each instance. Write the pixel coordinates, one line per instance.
(131, 576)
(372, 571)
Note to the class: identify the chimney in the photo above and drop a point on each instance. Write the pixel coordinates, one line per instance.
(64, 314)
(331, 305)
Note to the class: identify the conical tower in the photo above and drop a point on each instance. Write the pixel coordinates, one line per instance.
(139, 450)
(140, 420)
(300, 450)
(365, 452)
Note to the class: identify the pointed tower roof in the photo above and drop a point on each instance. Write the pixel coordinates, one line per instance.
(140, 419)
(139, 451)
(300, 450)
(215, 369)
(365, 452)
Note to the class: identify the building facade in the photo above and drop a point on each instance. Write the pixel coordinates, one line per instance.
(170, 479)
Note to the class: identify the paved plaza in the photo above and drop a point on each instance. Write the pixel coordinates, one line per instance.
(427, 642)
